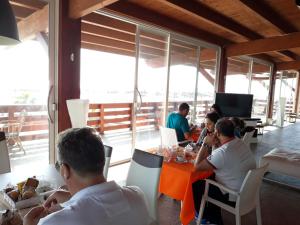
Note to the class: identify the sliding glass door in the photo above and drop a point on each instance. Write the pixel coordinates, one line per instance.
(27, 110)
(183, 76)
(150, 86)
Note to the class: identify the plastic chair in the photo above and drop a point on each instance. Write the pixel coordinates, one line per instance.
(14, 128)
(168, 137)
(144, 172)
(107, 153)
(247, 137)
(4, 158)
(247, 196)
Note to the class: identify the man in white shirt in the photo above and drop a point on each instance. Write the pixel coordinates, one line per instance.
(230, 162)
(90, 200)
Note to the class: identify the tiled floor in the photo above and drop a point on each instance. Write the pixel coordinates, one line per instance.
(280, 204)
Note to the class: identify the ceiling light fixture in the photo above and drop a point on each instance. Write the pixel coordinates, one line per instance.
(8, 27)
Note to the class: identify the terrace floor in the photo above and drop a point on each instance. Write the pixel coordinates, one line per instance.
(279, 203)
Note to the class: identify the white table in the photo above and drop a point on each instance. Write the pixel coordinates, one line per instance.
(47, 173)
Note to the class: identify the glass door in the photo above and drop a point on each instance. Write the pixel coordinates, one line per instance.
(183, 77)
(27, 90)
(260, 82)
(150, 87)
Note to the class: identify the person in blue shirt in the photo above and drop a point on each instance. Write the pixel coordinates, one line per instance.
(178, 121)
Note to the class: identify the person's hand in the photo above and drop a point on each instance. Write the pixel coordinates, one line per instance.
(57, 197)
(34, 215)
(209, 140)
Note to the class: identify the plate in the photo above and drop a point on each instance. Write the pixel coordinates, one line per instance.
(180, 161)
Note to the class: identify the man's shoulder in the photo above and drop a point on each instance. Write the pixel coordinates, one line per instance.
(133, 192)
(58, 217)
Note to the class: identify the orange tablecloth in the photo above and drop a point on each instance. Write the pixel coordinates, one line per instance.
(176, 182)
(196, 134)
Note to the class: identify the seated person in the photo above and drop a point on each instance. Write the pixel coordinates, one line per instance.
(178, 121)
(216, 108)
(239, 125)
(230, 163)
(211, 119)
(90, 199)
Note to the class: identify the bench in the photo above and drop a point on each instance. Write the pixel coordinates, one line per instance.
(283, 161)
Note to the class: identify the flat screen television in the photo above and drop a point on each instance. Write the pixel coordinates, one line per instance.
(237, 105)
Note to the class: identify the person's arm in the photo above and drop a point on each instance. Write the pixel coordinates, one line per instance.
(186, 130)
(187, 136)
(34, 215)
(201, 162)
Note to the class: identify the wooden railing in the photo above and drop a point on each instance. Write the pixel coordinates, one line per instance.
(36, 123)
(116, 116)
(105, 117)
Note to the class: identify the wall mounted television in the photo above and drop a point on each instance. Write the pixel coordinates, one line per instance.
(237, 105)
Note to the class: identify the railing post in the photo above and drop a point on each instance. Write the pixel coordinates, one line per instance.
(131, 105)
(206, 108)
(11, 111)
(101, 119)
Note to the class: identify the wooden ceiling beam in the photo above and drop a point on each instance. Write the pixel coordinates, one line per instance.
(269, 15)
(80, 8)
(206, 74)
(104, 21)
(293, 65)
(200, 10)
(265, 45)
(275, 19)
(29, 4)
(132, 10)
(34, 24)
(22, 12)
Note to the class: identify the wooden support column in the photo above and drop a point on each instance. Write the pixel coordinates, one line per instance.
(271, 93)
(223, 71)
(68, 63)
(297, 92)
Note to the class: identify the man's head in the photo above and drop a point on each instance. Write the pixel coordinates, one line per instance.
(184, 109)
(81, 154)
(224, 129)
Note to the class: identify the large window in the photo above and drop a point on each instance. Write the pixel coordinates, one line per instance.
(237, 76)
(206, 81)
(260, 82)
(250, 76)
(285, 88)
(129, 72)
(24, 92)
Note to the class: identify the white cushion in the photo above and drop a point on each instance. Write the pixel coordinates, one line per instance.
(283, 161)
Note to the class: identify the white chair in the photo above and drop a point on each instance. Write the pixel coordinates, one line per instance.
(107, 153)
(247, 196)
(14, 128)
(168, 137)
(4, 158)
(144, 172)
(247, 137)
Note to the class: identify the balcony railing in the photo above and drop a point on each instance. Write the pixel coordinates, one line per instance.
(105, 117)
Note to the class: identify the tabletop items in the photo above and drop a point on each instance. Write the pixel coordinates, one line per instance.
(178, 154)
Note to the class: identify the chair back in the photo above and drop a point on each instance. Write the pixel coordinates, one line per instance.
(168, 137)
(247, 137)
(249, 192)
(107, 153)
(17, 127)
(144, 172)
(4, 158)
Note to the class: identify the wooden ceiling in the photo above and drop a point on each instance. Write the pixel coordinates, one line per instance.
(267, 29)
